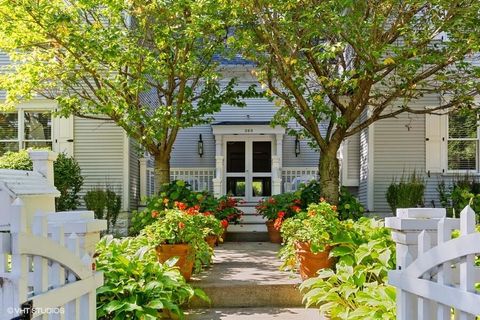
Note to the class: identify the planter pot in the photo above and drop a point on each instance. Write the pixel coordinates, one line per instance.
(310, 262)
(184, 253)
(273, 234)
(223, 236)
(211, 240)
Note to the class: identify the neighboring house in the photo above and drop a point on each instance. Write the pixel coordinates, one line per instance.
(240, 153)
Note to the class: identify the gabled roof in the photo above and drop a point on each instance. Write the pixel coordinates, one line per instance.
(22, 183)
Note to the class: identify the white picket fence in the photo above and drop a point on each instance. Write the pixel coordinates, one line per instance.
(436, 275)
(46, 269)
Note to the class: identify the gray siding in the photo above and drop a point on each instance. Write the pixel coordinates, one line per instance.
(4, 60)
(363, 172)
(185, 153)
(134, 174)
(399, 149)
(98, 149)
(353, 161)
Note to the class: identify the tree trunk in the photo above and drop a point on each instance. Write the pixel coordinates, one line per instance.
(161, 171)
(328, 169)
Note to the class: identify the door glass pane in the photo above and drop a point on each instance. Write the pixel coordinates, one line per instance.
(8, 126)
(38, 126)
(236, 186)
(262, 187)
(262, 156)
(236, 156)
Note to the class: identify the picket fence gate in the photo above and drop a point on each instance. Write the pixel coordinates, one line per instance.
(436, 275)
(46, 269)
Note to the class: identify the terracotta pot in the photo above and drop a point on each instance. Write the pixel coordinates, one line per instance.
(184, 253)
(273, 234)
(310, 262)
(211, 240)
(223, 236)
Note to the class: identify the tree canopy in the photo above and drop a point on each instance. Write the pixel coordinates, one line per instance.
(326, 63)
(150, 66)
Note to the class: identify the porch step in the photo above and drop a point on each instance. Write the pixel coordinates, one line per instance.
(246, 275)
(247, 237)
(264, 313)
(248, 227)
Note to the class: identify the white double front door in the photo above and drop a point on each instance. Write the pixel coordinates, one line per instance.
(248, 166)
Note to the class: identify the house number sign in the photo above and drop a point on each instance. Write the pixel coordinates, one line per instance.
(248, 130)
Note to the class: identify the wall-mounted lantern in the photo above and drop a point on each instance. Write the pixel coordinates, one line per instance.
(297, 146)
(200, 146)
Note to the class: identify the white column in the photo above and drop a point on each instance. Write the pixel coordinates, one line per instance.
(279, 138)
(406, 227)
(276, 176)
(143, 179)
(218, 180)
(43, 162)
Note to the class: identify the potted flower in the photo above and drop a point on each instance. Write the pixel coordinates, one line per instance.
(276, 209)
(211, 227)
(228, 213)
(178, 235)
(309, 237)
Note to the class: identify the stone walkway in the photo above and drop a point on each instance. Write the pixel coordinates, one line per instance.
(245, 283)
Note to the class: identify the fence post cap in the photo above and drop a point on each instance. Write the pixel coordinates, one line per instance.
(421, 213)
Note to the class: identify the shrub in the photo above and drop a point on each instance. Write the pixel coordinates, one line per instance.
(16, 161)
(69, 181)
(105, 204)
(67, 176)
(348, 206)
(357, 288)
(407, 193)
(136, 285)
(465, 190)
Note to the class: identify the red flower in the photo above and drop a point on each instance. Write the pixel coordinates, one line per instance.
(181, 225)
(192, 211)
(281, 214)
(297, 201)
(154, 214)
(196, 207)
(224, 224)
(180, 205)
(271, 200)
(207, 213)
(334, 207)
(296, 208)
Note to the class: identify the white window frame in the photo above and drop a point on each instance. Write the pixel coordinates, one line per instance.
(20, 111)
(445, 153)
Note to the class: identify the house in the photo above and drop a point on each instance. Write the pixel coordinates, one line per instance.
(240, 153)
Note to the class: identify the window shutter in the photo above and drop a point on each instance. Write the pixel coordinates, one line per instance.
(434, 143)
(64, 135)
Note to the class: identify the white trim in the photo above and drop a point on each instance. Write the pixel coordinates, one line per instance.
(370, 164)
(248, 174)
(246, 129)
(126, 172)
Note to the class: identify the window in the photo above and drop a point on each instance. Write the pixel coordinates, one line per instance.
(462, 142)
(25, 129)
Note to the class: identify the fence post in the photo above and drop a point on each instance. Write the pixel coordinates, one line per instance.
(406, 227)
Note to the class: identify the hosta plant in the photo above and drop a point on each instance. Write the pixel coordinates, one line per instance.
(137, 286)
(357, 288)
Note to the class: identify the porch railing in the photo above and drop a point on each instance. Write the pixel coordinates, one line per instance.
(292, 177)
